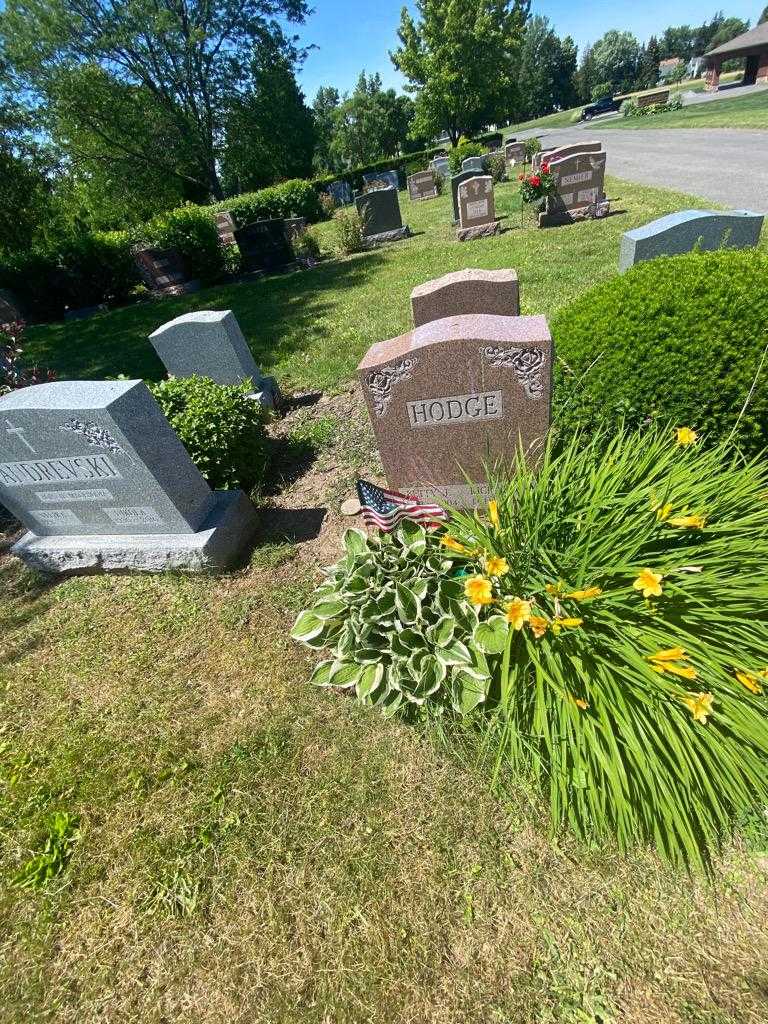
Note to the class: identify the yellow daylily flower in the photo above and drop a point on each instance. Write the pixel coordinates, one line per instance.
(649, 582)
(453, 545)
(518, 612)
(663, 512)
(684, 671)
(477, 589)
(560, 624)
(749, 681)
(699, 704)
(539, 625)
(554, 589)
(496, 566)
(688, 522)
(581, 704)
(493, 513)
(585, 595)
(670, 654)
(686, 436)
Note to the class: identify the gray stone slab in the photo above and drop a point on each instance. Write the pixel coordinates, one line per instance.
(87, 464)
(379, 211)
(441, 165)
(219, 544)
(341, 192)
(476, 202)
(682, 232)
(391, 177)
(474, 164)
(546, 156)
(206, 343)
(456, 180)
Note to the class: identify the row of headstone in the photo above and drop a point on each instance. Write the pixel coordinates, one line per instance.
(705, 230)
(465, 390)
(477, 213)
(380, 217)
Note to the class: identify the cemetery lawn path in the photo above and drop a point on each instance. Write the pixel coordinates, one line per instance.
(312, 328)
(204, 839)
(242, 848)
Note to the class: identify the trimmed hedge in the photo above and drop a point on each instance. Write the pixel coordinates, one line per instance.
(406, 164)
(678, 339)
(96, 267)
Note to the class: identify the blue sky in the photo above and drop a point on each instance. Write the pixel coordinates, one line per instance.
(352, 34)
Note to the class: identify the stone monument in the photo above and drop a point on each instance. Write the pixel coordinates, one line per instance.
(456, 395)
(546, 156)
(209, 343)
(379, 213)
(514, 153)
(689, 229)
(495, 292)
(421, 185)
(579, 190)
(441, 165)
(391, 178)
(264, 245)
(163, 271)
(101, 481)
(477, 214)
(341, 191)
(456, 180)
(474, 164)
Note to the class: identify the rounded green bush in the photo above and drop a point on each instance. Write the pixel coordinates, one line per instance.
(678, 339)
(220, 426)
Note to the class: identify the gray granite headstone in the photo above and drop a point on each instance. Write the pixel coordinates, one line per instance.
(341, 192)
(473, 163)
(390, 177)
(379, 212)
(441, 165)
(209, 343)
(689, 229)
(579, 191)
(101, 481)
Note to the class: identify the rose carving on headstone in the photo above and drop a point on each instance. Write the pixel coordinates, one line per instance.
(380, 383)
(527, 364)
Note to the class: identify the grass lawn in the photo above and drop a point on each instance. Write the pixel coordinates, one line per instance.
(234, 847)
(312, 328)
(749, 111)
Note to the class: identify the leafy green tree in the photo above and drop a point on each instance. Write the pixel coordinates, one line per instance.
(192, 57)
(270, 133)
(326, 103)
(728, 30)
(461, 61)
(680, 41)
(616, 56)
(763, 17)
(648, 65)
(370, 124)
(547, 67)
(25, 178)
(586, 76)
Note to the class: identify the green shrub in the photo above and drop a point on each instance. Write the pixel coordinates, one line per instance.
(294, 198)
(497, 167)
(349, 231)
(220, 426)
(675, 339)
(575, 117)
(532, 146)
(328, 204)
(192, 231)
(306, 246)
(599, 91)
(461, 152)
(605, 624)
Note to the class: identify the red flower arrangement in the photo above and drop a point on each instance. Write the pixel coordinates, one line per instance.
(536, 186)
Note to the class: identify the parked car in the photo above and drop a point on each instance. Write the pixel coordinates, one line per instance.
(601, 106)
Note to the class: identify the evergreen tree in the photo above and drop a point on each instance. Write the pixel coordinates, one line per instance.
(648, 65)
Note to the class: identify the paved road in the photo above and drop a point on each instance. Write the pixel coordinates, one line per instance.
(725, 165)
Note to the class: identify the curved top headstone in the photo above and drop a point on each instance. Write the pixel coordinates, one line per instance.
(688, 229)
(466, 291)
(206, 343)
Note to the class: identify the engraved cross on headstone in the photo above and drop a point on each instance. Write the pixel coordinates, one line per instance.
(19, 433)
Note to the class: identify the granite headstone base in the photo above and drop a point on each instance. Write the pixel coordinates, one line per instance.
(556, 218)
(397, 235)
(220, 543)
(479, 231)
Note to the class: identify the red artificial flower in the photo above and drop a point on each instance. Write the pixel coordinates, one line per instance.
(545, 168)
(535, 180)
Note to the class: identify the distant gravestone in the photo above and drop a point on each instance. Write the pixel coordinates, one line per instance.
(579, 190)
(494, 141)
(456, 180)
(546, 156)
(264, 245)
(294, 227)
(226, 227)
(441, 165)
(494, 292)
(421, 185)
(341, 192)
(514, 153)
(101, 481)
(477, 212)
(474, 164)
(390, 178)
(379, 213)
(689, 229)
(209, 343)
(455, 396)
(163, 271)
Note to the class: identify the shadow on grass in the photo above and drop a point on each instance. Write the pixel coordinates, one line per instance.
(289, 525)
(275, 313)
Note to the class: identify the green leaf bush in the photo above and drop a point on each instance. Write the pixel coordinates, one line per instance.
(676, 339)
(295, 198)
(221, 428)
(192, 231)
(605, 623)
(349, 231)
(461, 152)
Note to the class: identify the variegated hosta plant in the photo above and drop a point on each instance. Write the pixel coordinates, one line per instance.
(395, 617)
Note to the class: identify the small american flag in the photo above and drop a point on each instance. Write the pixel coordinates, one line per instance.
(385, 509)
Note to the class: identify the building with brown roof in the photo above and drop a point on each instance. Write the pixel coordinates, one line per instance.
(752, 46)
